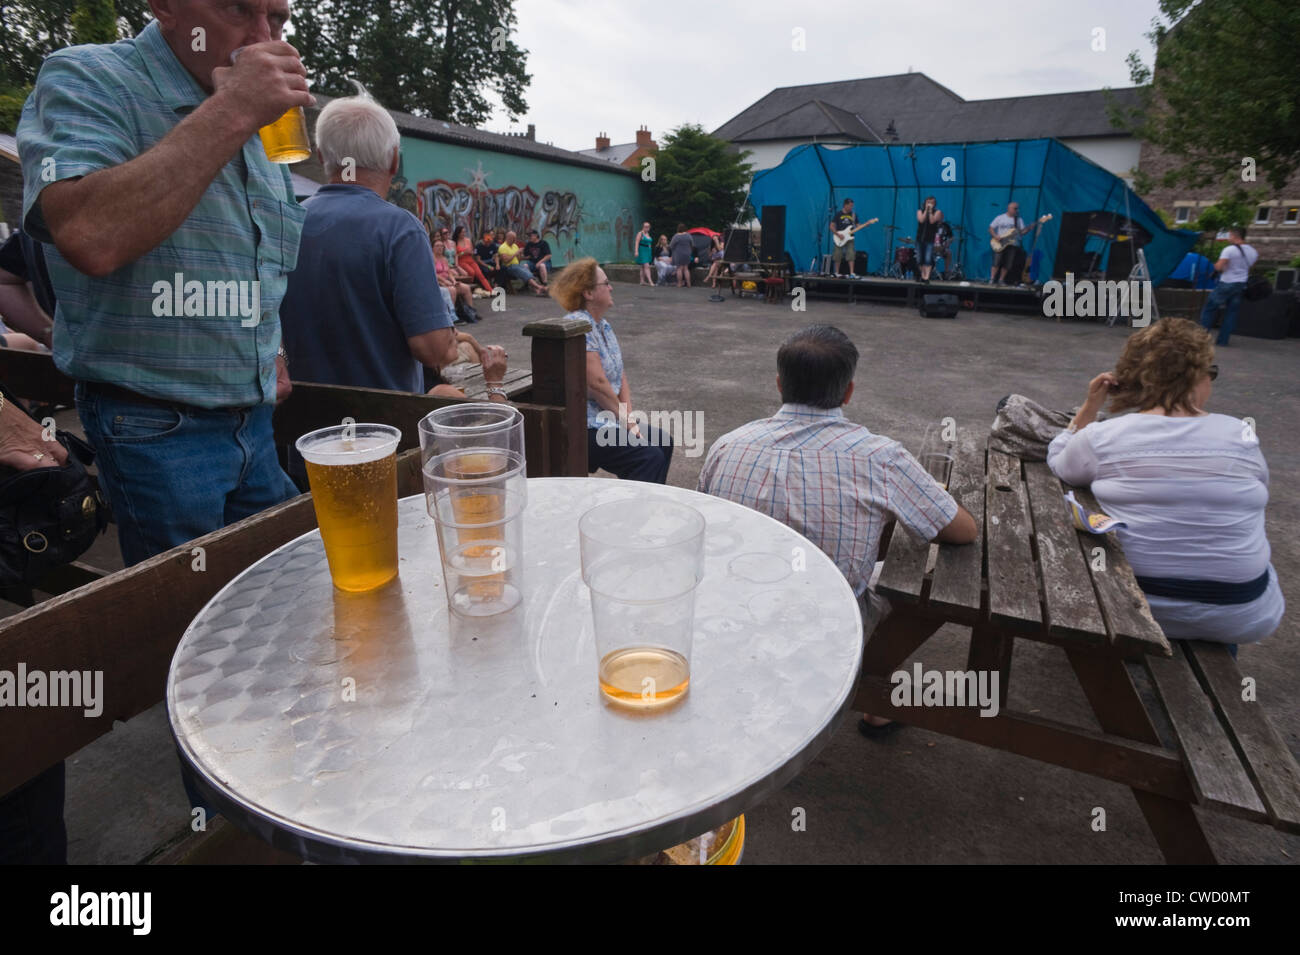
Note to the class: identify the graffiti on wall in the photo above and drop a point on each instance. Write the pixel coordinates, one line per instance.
(559, 216)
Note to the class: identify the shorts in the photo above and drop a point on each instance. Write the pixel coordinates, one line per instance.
(844, 251)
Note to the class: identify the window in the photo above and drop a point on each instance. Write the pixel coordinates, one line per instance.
(1261, 215)
(1292, 215)
(1182, 213)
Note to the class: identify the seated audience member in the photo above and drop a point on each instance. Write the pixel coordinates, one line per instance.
(27, 324)
(663, 262)
(622, 449)
(464, 297)
(508, 261)
(363, 307)
(831, 480)
(1191, 486)
(467, 260)
(491, 357)
(486, 255)
(537, 252)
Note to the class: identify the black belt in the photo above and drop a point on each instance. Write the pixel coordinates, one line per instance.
(1205, 591)
(105, 390)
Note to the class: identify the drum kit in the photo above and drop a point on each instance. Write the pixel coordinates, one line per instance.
(902, 263)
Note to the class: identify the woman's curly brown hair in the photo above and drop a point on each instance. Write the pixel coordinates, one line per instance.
(1161, 365)
(574, 279)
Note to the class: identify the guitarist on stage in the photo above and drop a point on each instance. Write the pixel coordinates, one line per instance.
(844, 219)
(1008, 228)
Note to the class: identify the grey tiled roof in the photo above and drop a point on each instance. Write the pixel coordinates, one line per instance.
(447, 132)
(615, 154)
(921, 111)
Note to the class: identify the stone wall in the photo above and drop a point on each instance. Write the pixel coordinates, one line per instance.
(1277, 241)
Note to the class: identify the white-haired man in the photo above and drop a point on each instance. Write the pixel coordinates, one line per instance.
(364, 307)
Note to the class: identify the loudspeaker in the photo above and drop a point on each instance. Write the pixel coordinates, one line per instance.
(1119, 264)
(1070, 256)
(938, 306)
(772, 250)
(1285, 280)
(736, 246)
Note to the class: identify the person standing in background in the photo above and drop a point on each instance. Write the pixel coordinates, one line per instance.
(644, 255)
(928, 218)
(681, 249)
(1233, 266)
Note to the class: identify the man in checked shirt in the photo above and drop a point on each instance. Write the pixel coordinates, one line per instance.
(831, 480)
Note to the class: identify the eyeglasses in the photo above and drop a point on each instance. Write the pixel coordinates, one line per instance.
(606, 283)
(1214, 372)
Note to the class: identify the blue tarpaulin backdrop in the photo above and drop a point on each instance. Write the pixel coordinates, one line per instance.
(891, 181)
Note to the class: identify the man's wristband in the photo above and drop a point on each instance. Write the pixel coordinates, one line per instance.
(496, 390)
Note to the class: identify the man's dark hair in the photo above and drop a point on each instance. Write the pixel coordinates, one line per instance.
(816, 366)
(846, 202)
(1238, 231)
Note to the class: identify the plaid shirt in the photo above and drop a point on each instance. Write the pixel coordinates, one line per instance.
(95, 107)
(831, 480)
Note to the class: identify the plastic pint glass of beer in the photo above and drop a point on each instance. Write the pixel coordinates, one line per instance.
(286, 140)
(352, 469)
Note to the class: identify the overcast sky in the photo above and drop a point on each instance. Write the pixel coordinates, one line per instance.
(615, 65)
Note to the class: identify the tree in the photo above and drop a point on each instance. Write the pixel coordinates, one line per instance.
(433, 58)
(31, 30)
(1223, 91)
(698, 179)
(94, 21)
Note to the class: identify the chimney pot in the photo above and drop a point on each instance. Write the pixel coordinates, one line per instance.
(643, 137)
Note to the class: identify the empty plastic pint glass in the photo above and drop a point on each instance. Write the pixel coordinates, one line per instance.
(352, 469)
(643, 560)
(476, 489)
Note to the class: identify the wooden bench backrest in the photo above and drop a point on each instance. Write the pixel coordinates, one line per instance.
(127, 625)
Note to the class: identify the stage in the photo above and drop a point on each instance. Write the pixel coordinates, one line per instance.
(972, 296)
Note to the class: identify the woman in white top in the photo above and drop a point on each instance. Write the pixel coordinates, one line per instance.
(1191, 486)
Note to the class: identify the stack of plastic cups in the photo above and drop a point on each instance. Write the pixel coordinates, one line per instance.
(476, 489)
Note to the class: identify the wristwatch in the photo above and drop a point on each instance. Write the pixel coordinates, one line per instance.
(497, 390)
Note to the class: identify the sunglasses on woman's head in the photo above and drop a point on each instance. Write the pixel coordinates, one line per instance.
(1214, 372)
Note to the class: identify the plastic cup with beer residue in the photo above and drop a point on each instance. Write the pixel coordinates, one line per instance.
(476, 489)
(352, 469)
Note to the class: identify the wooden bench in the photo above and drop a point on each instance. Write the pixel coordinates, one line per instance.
(127, 623)
(1031, 575)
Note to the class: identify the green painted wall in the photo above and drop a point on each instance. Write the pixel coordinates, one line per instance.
(579, 211)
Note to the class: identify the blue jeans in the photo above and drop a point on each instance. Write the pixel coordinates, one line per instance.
(630, 458)
(1225, 295)
(174, 474)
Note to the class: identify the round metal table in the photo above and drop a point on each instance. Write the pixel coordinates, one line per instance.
(379, 728)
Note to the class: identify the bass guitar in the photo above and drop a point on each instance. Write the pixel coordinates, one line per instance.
(999, 241)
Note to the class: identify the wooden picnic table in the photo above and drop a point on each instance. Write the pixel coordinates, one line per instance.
(1030, 575)
(469, 379)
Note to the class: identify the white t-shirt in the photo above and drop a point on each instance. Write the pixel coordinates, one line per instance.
(1192, 492)
(1004, 222)
(1238, 269)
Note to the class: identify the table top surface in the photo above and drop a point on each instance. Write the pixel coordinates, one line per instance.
(489, 739)
(1029, 571)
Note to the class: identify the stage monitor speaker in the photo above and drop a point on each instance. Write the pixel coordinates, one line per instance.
(860, 263)
(772, 243)
(1070, 254)
(938, 306)
(1285, 280)
(1119, 265)
(736, 245)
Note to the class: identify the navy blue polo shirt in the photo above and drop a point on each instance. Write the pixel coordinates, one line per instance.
(364, 284)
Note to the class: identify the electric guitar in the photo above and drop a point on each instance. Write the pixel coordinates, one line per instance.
(846, 234)
(999, 241)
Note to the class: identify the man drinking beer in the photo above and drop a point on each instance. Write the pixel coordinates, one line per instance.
(171, 237)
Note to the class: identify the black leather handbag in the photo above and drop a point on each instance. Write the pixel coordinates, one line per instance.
(48, 516)
(1257, 287)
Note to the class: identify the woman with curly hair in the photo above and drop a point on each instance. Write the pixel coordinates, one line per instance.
(1192, 487)
(615, 440)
